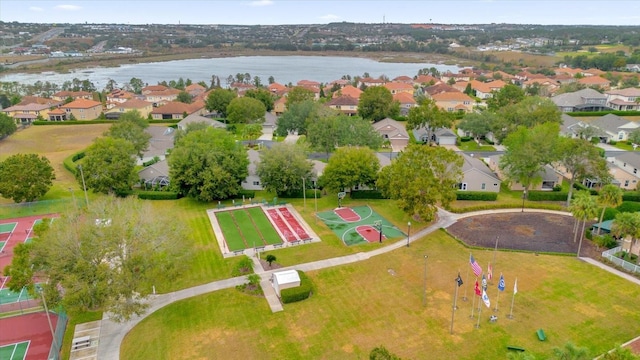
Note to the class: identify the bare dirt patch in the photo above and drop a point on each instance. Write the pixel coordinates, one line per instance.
(538, 232)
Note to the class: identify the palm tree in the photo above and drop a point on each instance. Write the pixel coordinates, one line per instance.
(583, 207)
(571, 352)
(627, 224)
(610, 196)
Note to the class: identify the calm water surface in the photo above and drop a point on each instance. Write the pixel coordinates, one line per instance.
(284, 69)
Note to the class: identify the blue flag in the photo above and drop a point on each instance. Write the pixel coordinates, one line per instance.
(501, 283)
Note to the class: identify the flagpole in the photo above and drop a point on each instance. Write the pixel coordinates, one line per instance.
(455, 298)
(510, 316)
(473, 306)
(497, 299)
(495, 250)
(479, 312)
(464, 298)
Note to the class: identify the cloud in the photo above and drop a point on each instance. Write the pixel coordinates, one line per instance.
(35, 8)
(68, 7)
(329, 17)
(257, 3)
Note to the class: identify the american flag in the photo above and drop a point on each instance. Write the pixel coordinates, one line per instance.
(477, 269)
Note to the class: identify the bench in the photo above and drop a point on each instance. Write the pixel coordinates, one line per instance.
(238, 252)
(80, 342)
(306, 241)
(277, 246)
(260, 248)
(541, 335)
(514, 348)
(295, 242)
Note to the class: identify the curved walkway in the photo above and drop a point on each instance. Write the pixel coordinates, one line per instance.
(112, 333)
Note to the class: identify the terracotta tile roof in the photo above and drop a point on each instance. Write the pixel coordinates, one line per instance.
(349, 90)
(487, 87)
(305, 83)
(154, 88)
(73, 94)
(426, 79)
(175, 107)
(567, 70)
(135, 104)
(57, 112)
(593, 80)
(82, 104)
(404, 79)
(452, 96)
(439, 88)
(27, 107)
(341, 82)
(343, 101)
(398, 86)
(634, 92)
(404, 98)
(594, 72)
(194, 87)
(27, 99)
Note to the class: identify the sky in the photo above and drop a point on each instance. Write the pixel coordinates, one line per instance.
(281, 12)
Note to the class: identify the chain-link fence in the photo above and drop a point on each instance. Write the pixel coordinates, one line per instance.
(58, 334)
(39, 207)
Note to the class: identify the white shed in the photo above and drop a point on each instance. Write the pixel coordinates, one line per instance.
(285, 280)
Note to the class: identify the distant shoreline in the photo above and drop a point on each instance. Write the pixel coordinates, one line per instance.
(66, 65)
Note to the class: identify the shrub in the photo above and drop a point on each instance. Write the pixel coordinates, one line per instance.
(547, 196)
(465, 138)
(165, 121)
(610, 214)
(298, 195)
(612, 142)
(367, 194)
(615, 112)
(628, 206)
(299, 293)
(244, 266)
(557, 187)
(477, 195)
(158, 195)
(579, 186)
(631, 196)
(492, 206)
(605, 241)
(248, 194)
(588, 234)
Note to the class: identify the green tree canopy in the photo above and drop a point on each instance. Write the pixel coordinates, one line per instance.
(528, 151)
(422, 177)
(208, 164)
(429, 116)
(583, 207)
(184, 97)
(510, 94)
(25, 177)
(7, 125)
(350, 166)
(106, 257)
(109, 166)
(298, 115)
(219, 99)
(282, 168)
(609, 195)
(326, 133)
(194, 126)
(478, 124)
(376, 103)
(245, 110)
(627, 224)
(132, 133)
(264, 95)
(531, 111)
(252, 132)
(299, 94)
(136, 85)
(135, 117)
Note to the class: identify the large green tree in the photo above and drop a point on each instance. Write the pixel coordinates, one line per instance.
(25, 177)
(531, 111)
(132, 133)
(609, 195)
(299, 115)
(252, 132)
(105, 257)
(581, 160)
(429, 116)
(627, 224)
(282, 168)
(7, 125)
(264, 95)
(421, 178)
(299, 94)
(246, 110)
(349, 167)
(528, 151)
(376, 103)
(219, 99)
(478, 124)
(108, 166)
(135, 117)
(509, 94)
(326, 133)
(208, 164)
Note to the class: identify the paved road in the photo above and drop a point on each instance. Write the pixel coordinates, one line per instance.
(112, 333)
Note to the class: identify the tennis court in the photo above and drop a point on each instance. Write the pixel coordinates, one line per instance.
(359, 225)
(16, 351)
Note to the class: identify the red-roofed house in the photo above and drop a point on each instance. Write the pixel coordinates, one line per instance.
(64, 95)
(426, 80)
(404, 79)
(406, 102)
(453, 101)
(485, 90)
(309, 83)
(25, 114)
(348, 90)
(57, 115)
(277, 89)
(370, 82)
(592, 81)
(119, 96)
(279, 106)
(177, 110)
(159, 97)
(83, 109)
(195, 89)
(143, 107)
(344, 104)
(398, 87)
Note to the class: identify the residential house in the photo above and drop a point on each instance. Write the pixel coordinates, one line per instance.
(155, 175)
(485, 90)
(454, 101)
(426, 80)
(593, 72)
(368, 82)
(429, 91)
(404, 79)
(406, 102)
(143, 107)
(57, 114)
(571, 127)
(633, 67)
(399, 87)
(626, 171)
(501, 75)
(159, 95)
(28, 99)
(348, 90)
(476, 176)
(441, 136)
(195, 90)
(564, 79)
(196, 118)
(624, 99)
(25, 114)
(595, 81)
(344, 104)
(546, 86)
(456, 77)
(461, 85)
(308, 84)
(550, 177)
(581, 100)
(394, 132)
(160, 143)
(568, 71)
(279, 106)
(614, 127)
(177, 110)
(277, 89)
(252, 181)
(241, 88)
(83, 109)
(64, 95)
(119, 96)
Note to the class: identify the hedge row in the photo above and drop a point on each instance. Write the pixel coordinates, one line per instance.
(579, 186)
(165, 121)
(74, 122)
(602, 113)
(248, 194)
(477, 195)
(157, 195)
(298, 195)
(367, 194)
(631, 196)
(494, 206)
(299, 293)
(547, 196)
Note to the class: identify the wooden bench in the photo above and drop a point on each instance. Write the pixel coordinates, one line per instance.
(306, 241)
(541, 335)
(277, 246)
(238, 252)
(295, 242)
(260, 248)
(515, 348)
(80, 342)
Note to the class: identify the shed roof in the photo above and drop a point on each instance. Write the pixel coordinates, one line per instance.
(287, 277)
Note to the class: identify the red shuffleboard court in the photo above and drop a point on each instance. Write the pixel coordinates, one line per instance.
(369, 233)
(347, 214)
(294, 224)
(281, 225)
(33, 327)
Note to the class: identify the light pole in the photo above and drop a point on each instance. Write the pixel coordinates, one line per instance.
(524, 196)
(315, 198)
(84, 186)
(424, 294)
(75, 204)
(408, 233)
(304, 192)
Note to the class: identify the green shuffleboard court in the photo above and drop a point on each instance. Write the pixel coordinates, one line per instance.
(246, 228)
(346, 230)
(7, 228)
(17, 351)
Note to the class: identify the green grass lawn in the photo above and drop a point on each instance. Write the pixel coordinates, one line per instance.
(473, 146)
(267, 231)
(359, 306)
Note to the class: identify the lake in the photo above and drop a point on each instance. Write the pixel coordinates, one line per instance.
(284, 69)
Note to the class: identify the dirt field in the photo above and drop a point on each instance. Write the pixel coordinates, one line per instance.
(55, 142)
(522, 231)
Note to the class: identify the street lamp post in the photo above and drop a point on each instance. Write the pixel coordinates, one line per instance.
(524, 196)
(304, 192)
(424, 294)
(408, 233)
(84, 186)
(75, 204)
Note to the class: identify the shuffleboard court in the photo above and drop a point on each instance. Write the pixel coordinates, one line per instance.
(269, 234)
(232, 235)
(16, 351)
(251, 235)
